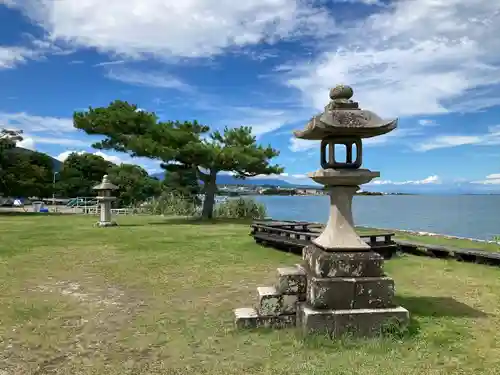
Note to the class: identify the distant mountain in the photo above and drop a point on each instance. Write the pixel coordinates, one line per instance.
(57, 165)
(226, 179)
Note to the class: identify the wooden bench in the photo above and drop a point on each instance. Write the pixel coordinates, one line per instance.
(418, 248)
(286, 235)
(443, 252)
(477, 256)
(294, 235)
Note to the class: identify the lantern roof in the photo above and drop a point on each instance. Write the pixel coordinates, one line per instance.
(105, 184)
(343, 117)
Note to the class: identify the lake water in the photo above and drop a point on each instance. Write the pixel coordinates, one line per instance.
(474, 216)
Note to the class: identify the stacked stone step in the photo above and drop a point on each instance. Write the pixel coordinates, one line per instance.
(277, 305)
(347, 293)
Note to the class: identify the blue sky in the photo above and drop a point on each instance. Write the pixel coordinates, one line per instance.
(434, 64)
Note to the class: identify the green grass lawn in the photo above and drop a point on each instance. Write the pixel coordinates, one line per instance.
(155, 296)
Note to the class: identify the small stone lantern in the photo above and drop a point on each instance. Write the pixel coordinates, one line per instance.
(104, 197)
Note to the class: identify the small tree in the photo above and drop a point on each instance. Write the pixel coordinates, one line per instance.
(25, 173)
(134, 184)
(140, 133)
(80, 173)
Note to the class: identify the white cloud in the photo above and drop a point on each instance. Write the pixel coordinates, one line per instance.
(28, 143)
(31, 142)
(426, 181)
(366, 2)
(112, 158)
(12, 56)
(72, 142)
(427, 122)
(107, 63)
(159, 28)
(151, 79)
(416, 57)
(33, 49)
(445, 141)
(492, 179)
(492, 137)
(31, 123)
(261, 120)
(298, 145)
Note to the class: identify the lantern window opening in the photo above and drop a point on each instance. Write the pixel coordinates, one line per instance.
(338, 157)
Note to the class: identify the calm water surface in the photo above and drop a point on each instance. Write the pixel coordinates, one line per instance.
(475, 216)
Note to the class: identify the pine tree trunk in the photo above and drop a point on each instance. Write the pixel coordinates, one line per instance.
(208, 203)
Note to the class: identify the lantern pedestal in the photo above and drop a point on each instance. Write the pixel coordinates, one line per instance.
(105, 212)
(339, 233)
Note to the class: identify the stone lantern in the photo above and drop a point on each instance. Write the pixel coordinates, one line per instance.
(104, 198)
(340, 287)
(347, 289)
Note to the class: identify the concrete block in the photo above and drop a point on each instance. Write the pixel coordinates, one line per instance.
(321, 263)
(247, 317)
(354, 322)
(290, 302)
(270, 301)
(373, 293)
(291, 280)
(331, 293)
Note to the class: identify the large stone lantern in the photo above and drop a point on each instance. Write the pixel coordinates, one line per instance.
(340, 287)
(104, 198)
(343, 123)
(347, 289)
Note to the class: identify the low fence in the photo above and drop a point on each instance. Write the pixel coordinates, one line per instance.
(114, 211)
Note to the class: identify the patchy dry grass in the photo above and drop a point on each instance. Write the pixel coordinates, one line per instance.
(155, 296)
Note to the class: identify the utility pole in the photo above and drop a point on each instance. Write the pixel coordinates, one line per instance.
(54, 188)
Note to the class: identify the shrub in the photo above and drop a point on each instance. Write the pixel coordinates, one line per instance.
(173, 204)
(240, 208)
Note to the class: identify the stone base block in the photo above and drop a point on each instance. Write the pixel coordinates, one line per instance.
(350, 293)
(356, 323)
(321, 263)
(248, 317)
(373, 293)
(273, 303)
(104, 224)
(291, 280)
(290, 302)
(332, 293)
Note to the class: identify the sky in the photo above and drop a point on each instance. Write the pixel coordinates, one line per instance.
(269, 64)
